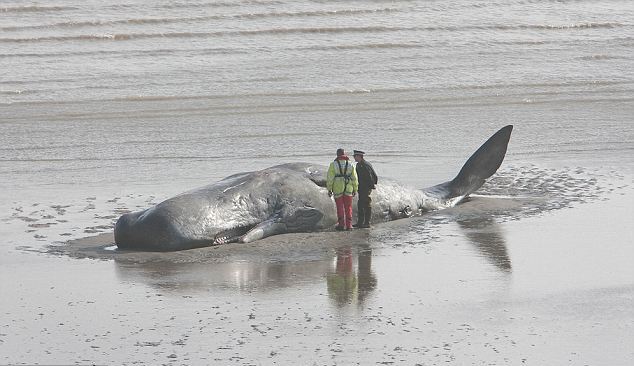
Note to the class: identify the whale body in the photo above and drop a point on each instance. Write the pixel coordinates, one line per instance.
(288, 198)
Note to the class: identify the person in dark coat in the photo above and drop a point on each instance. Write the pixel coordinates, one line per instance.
(367, 182)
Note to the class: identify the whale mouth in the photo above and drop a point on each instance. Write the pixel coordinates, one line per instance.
(231, 235)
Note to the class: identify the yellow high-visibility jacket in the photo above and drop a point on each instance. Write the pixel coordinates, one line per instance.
(342, 178)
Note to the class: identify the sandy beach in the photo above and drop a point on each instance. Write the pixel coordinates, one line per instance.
(551, 289)
(110, 107)
(535, 268)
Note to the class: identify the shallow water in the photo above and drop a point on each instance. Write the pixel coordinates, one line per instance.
(107, 107)
(112, 50)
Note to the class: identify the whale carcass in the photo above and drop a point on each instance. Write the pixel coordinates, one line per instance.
(288, 198)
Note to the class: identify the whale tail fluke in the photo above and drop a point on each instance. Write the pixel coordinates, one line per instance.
(480, 166)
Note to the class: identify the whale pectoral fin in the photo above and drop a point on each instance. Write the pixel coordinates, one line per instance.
(262, 230)
(302, 219)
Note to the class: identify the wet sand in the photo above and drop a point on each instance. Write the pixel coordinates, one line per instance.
(453, 287)
(110, 107)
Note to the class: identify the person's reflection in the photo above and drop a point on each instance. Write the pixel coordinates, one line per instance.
(485, 234)
(346, 284)
(367, 279)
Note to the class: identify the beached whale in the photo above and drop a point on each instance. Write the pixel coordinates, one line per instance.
(287, 198)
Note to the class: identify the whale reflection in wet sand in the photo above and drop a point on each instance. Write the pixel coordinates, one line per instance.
(278, 262)
(486, 236)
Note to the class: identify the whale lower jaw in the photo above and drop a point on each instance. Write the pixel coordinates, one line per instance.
(232, 235)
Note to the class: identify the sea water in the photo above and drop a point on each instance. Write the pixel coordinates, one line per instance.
(111, 106)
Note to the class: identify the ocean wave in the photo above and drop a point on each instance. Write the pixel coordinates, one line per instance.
(220, 4)
(133, 36)
(588, 25)
(515, 27)
(307, 30)
(139, 158)
(600, 57)
(383, 45)
(408, 95)
(197, 5)
(129, 53)
(35, 9)
(144, 21)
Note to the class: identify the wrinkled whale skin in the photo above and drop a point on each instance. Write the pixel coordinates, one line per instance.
(287, 198)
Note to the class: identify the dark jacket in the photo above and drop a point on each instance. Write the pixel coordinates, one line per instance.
(366, 175)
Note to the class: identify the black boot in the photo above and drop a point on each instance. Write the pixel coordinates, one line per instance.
(366, 218)
(360, 217)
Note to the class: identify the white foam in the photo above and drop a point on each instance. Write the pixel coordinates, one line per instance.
(496, 196)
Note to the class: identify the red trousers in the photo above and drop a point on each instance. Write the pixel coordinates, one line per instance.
(344, 211)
